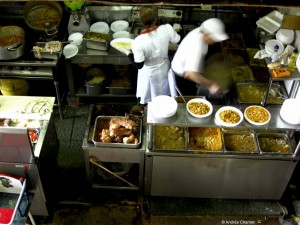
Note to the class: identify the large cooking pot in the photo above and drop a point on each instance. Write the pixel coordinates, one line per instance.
(12, 42)
(43, 16)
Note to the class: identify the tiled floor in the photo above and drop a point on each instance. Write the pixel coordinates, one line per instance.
(72, 201)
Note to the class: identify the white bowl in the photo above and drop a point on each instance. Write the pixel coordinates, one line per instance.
(70, 50)
(76, 38)
(121, 34)
(119, 25)
(226, 124)
(163, 107)
(200, 100)
(121, 42)
(100, 27)
(256, 113)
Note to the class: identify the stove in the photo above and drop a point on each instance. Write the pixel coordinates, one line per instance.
(27, 67)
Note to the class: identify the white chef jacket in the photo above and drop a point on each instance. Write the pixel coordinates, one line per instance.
(152, 49)
(190, 54)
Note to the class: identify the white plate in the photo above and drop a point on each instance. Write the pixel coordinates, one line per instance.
(121, 34)
(200, 100)
(121, 42)
(163, 106)
(258, 113)
(119, 25)
(70, 50)
(223, 123)
(100, 27)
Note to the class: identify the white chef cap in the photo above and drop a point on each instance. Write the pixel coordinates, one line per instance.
(215, 28)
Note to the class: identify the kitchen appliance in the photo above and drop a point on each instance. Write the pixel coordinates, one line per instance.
(79, 20)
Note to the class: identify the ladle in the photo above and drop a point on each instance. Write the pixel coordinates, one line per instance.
(179, 92)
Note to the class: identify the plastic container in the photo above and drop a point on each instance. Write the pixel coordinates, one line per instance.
(271, 22)
(293, 59)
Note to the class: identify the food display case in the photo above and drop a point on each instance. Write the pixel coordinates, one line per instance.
(239, 163)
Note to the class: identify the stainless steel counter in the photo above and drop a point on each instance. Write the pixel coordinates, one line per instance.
(218, 175)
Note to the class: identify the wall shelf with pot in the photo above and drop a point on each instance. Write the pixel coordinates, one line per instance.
(264, 176)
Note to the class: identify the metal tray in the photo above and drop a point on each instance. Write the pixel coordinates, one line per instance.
(97, 41)
(254, 93)
(241, 74)
(239, 142)
(208, 133)
(171, 134)
(278, 143)
(102, 122)
(120, 90)
(46, 54)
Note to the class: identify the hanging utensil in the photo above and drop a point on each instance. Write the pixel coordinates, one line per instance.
(94, 161)
(179, 92)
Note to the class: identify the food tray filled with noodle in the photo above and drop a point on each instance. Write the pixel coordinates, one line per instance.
(274, 143)
(117, 131)
(240, 142)
(255, 93)
(205, 139)
(168, 138)
(97, 41)
(47, 50)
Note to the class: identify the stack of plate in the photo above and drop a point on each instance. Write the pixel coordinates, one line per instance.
(285, 36)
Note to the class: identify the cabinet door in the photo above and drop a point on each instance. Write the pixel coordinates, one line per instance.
(219, 177)
(15, 145)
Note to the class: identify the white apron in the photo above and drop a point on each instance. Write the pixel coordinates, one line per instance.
(155, 79)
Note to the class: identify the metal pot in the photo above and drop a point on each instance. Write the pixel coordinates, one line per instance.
(43, 16)
(12, 42)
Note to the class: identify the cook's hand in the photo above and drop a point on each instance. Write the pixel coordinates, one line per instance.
(177, 27)
(124, 50)
(214, 88)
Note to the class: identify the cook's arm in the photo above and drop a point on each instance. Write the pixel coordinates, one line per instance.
(198, 78)
(137, 65)
(130, 55)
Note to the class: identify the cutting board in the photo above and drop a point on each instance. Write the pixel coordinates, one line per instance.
(291, 22)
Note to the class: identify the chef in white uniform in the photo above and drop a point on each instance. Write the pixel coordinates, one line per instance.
(150, 56)
(188, 61)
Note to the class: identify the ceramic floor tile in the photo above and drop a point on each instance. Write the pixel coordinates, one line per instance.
(79, 128)
(64, 128)
(261, 207)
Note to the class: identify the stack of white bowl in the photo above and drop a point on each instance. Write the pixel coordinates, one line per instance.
(285, 36)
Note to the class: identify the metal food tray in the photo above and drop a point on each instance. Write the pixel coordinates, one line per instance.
(37, 131)
(242, 74)
(275, 136)
(202, 150)
(91, 41)
(243, 135)
(102, 122)
(46, 54)
(254, 93)
(170, 149)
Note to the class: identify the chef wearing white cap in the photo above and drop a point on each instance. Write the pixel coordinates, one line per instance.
(188, 61)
